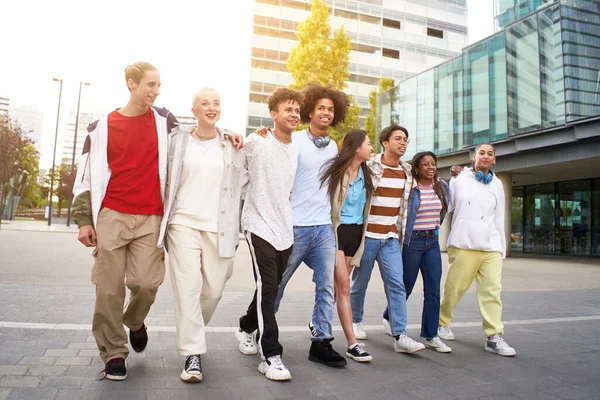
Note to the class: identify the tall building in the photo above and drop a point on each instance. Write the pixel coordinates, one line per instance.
(533, 90)
(31, 122)
(4, 106)
(391, 38)
(68, 136)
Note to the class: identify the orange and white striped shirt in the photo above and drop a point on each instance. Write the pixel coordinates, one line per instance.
(386, 203)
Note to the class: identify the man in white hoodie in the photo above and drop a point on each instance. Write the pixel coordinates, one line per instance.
(476, 247)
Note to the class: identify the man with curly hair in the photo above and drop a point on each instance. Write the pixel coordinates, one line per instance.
(267, 222)
(314, 240)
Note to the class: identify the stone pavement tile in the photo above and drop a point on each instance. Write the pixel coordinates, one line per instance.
(536, 395)
(4, 392)
(17, 381)
(13, 369)
(62, 382)
(22, 351)
(61, 352)
(47, 370)
(76, 394)
(82, 345)
(501, 397)
(290, 390)
(123, 394)
(465, 392)
(252, 393)
(37, 361)
(73, 360)
(87, 371)
(52, 344)
(19, 343)
(575, 392)
(431, 394)
(171, 394)
(31, 394)
(146, 381)
(390, 394)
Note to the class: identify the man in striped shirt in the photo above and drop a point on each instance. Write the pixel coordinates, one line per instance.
(385, 227)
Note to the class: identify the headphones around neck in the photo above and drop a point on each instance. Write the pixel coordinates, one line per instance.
(320, 141)
(486, 179)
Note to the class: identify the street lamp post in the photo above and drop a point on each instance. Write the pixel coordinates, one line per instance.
(54, 154)
(81, 84)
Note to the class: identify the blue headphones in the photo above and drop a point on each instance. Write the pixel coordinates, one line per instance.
(321, 141)
(486, 179)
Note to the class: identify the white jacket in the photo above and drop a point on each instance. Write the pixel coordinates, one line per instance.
(478, 220)
(94, 173)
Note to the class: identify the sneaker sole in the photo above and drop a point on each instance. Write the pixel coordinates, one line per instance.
(190, 378)
(438, 349)
(490, 350)
(115, 377)
(274, 378)
(412, 351)
(242, 349)
(360, 337)
(359, 359)
(335, 364)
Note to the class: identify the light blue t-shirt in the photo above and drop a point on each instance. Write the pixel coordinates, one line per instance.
(310, 201)
(354, 205)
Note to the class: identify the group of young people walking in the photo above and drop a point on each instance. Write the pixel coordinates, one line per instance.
(146, 184)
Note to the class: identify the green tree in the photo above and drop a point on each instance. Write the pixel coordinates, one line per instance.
(64, 179)
(29, 160)
(13, 145)
(323, 58)
(371, 123)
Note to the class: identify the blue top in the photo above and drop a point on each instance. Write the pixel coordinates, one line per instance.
(414, 202)
(354, 205)
(310, 200)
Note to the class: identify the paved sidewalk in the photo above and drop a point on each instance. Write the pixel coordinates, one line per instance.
(551, 312)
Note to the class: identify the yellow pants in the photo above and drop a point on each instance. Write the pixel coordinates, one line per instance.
(465, 266)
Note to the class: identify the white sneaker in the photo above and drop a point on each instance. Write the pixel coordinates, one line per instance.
(274, 369)
(387, 326)
(359, 331)
(445, 333)
(437, 345)
(247, 342)
(192, 371)
(495, 344)
(404, 344)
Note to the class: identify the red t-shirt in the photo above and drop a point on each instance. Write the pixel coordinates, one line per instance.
(134, 185)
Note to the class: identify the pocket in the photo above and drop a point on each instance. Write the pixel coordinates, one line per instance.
(474, 235)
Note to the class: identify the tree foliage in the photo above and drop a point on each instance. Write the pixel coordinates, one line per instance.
(16, 151)
(319, 57)
(371, 123)
(64, 179)
(323, 58)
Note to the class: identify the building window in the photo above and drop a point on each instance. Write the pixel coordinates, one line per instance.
(269, 65)
(391, 53)
(391, 23)
(435, 33)
(259, 98)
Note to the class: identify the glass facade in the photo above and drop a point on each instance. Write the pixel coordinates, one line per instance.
(557, 218)
(541, 71)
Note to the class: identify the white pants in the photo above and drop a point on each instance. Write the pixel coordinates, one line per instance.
(198, 276)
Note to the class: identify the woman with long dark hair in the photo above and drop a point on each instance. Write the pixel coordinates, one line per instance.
(350, 187)
(427, 206)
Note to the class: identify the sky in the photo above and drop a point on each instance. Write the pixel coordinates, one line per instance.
(194, 44)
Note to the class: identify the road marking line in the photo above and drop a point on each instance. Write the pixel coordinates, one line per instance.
(219, 329)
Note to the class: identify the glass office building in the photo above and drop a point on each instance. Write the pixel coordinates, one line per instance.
(538, 75)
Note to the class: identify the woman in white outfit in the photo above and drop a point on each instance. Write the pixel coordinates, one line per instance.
(201, 223)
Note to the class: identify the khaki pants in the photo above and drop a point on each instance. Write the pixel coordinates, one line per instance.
(126, 255)
(198, 276)
(486, 268)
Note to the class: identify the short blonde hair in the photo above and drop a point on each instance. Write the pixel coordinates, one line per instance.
(137, 70)
(203, 90)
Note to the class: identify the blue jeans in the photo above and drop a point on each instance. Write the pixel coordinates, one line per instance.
(423, 253)
(315, 246)
(388, 256)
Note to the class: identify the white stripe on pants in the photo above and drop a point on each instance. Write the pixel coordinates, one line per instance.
(198, 276)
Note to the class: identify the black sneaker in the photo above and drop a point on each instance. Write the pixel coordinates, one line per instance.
(358, 353)
(138, 339)
(115, 369)
(322, 352)
(312, 329)
(192, 371)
